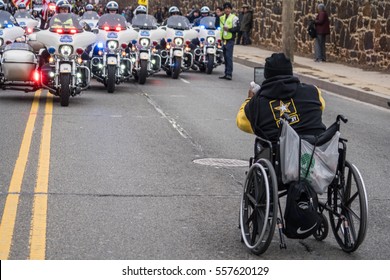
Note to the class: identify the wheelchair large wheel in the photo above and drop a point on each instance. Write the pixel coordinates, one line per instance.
(259, 207)
(348, 201)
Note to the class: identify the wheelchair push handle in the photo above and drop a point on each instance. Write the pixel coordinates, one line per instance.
(286, 117)
(341, 117)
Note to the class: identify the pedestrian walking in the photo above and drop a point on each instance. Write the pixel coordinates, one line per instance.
(229, 27)
(322, 29)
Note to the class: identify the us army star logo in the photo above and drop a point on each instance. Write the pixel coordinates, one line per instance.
(283, 107)
(280, 107)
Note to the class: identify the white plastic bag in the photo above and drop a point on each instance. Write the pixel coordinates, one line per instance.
(289, 153)
(323, 166)
(294, 163)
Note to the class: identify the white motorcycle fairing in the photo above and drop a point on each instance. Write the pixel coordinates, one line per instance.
(10, 34)
(25, 20)
(53, 39)
(9, 31)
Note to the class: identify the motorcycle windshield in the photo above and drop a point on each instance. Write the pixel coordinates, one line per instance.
(143, 21)
(111, 22)
(22, 14)
(65, 22)
(90, 15)
(208, 23)
(6, 19)
(178, 22)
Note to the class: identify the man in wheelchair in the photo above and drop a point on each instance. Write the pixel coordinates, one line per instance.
(281, 93)
(312, 161)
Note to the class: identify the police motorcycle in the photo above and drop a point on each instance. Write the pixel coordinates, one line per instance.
(65, 74)
(177, 56)
(144, 51)
(110, 63)
(209, 53)
(27, 21)
(18, 61)
(90, 17)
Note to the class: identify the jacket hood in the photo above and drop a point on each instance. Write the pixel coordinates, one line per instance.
(279, 87)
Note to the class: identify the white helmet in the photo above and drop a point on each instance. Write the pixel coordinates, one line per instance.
(140, 10)
(205, 10)
(89, 7)
(173, 9)
(112, 6)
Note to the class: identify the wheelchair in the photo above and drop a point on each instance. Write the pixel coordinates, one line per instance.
(261, 210)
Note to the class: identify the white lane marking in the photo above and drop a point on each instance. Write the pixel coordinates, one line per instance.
(185, 81)
(171, 120)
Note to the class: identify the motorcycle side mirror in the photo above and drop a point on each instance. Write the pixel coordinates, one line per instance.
(86, 27)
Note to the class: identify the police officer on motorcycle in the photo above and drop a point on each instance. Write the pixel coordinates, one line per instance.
(204, 12)
(140, 10)
(173, 11)
(112, 7)
(89, 8)
(63, 7)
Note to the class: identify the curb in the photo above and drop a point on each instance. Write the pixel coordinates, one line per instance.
(364, 96)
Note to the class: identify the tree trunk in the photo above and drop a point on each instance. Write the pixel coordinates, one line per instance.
(288, 28)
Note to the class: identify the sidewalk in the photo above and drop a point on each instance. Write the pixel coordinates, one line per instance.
(367, 86)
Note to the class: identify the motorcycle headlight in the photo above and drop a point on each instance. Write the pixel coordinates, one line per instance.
(66, 50)
(178, 41)
(112, 45)
(144, 42)
(211, 40)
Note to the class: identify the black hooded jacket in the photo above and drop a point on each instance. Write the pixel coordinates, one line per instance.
(285, 94)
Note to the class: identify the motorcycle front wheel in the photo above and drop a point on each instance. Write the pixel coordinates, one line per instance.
(210, 63)
(143, 72)
(176, 67)
(111, 78)
(65, 80)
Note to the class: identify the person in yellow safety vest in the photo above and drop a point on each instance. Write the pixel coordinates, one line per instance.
(229, 27)
(63, 7)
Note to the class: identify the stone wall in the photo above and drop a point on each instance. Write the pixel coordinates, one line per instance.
(360, 29)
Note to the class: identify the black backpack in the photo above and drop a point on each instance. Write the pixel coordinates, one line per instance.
(311, 29)
(301, 214)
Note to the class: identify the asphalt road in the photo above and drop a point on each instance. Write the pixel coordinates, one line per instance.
(122, 183)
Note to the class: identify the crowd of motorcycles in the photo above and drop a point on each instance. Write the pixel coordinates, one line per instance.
(106, 48)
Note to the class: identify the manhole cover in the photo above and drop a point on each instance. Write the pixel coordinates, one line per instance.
(222, 162)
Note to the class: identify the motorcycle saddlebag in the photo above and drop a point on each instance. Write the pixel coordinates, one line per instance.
(18, 62)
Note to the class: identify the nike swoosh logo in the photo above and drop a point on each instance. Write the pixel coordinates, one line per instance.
(299, 231)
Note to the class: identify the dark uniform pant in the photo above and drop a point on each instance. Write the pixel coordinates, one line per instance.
(228, 46)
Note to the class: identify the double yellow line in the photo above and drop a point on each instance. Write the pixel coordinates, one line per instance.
(39, 212)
